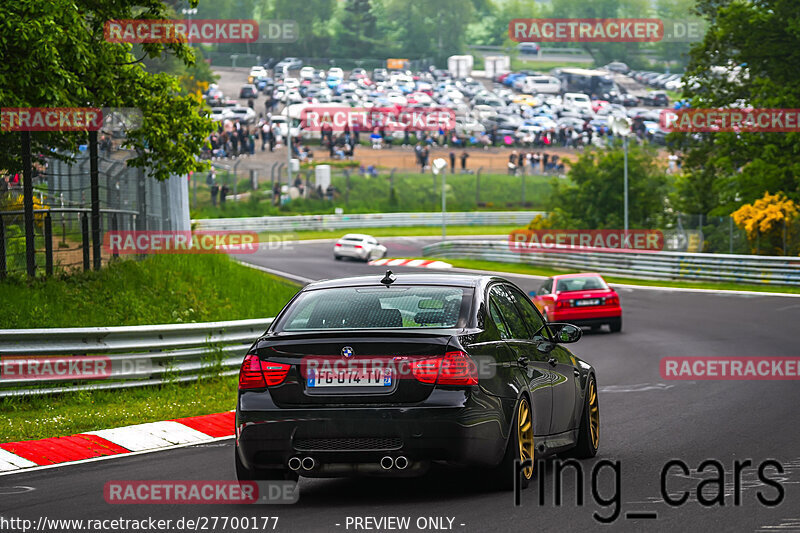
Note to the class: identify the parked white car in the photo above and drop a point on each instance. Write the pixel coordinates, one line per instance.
(307, 73)
(541, 85)
(358, 246)
(336, 71)
(577, 100)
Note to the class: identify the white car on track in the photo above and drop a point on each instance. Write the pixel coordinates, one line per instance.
(358, 246)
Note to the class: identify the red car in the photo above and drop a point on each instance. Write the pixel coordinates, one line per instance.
(580, 299)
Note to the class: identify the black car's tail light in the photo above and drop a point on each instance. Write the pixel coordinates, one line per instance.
(455, 368)
(458, 368)
(250, 375)
(256, 374)
(275, 373)
(426, 370)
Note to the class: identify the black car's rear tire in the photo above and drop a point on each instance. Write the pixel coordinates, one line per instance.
(615, 325)
(272, 474)
(520, 447)
(589, 431)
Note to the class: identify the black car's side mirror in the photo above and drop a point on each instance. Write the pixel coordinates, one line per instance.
(564, 333)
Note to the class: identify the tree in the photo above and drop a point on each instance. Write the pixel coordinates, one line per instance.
(592, 198)
(427, 29)
(55, 55)
(744, 60)
(603, 53)
(357, 29)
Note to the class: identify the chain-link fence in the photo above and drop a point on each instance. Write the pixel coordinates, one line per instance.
(129, 200)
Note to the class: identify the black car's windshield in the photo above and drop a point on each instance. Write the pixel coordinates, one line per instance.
(378, 308)
(584, 283)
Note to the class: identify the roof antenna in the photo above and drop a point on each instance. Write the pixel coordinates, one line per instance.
(389, 278)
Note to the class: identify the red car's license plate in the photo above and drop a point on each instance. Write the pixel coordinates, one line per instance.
(591, 301)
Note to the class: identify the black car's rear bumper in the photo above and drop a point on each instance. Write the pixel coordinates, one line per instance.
(454, 426)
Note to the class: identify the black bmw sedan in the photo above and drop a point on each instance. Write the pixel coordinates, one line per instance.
(383, 376)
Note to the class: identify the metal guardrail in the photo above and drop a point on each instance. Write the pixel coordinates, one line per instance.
(137, 355)
(756, 269)
(371, 220)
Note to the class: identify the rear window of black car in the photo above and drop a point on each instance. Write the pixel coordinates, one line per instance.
(350, 308)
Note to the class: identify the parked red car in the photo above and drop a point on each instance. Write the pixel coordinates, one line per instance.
(580, 299)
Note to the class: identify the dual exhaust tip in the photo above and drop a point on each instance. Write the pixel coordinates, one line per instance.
(387, 463)
(400, 462)
(306, 463)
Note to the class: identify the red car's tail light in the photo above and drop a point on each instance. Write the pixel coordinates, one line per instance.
(455, 368)
(458, 368)
(250, 375)
(256, 374)
(563, 303)
(612, 300)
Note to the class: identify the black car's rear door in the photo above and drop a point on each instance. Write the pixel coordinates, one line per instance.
(561, 366)
(532, 362)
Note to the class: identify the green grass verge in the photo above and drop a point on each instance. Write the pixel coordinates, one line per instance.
(518, 268)
(161, 289)
(412, 193)
(39, 417)
(410, 231)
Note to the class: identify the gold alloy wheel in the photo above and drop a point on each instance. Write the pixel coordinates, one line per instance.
(525, 436)
(594, 415)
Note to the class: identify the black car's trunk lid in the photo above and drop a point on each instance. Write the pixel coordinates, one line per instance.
(353, 367)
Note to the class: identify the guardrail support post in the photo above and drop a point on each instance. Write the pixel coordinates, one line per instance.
(85, 240)
(48, 244)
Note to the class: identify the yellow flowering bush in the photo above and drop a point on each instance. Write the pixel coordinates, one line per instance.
(766, 218)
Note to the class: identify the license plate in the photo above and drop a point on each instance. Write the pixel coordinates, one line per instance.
(594, 301)
(349, 378)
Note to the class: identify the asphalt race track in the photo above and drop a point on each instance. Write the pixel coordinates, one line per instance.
(645, 422)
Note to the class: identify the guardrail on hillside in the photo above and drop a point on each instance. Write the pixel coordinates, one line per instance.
(755, 269)
(371, 220)
(133, 356)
